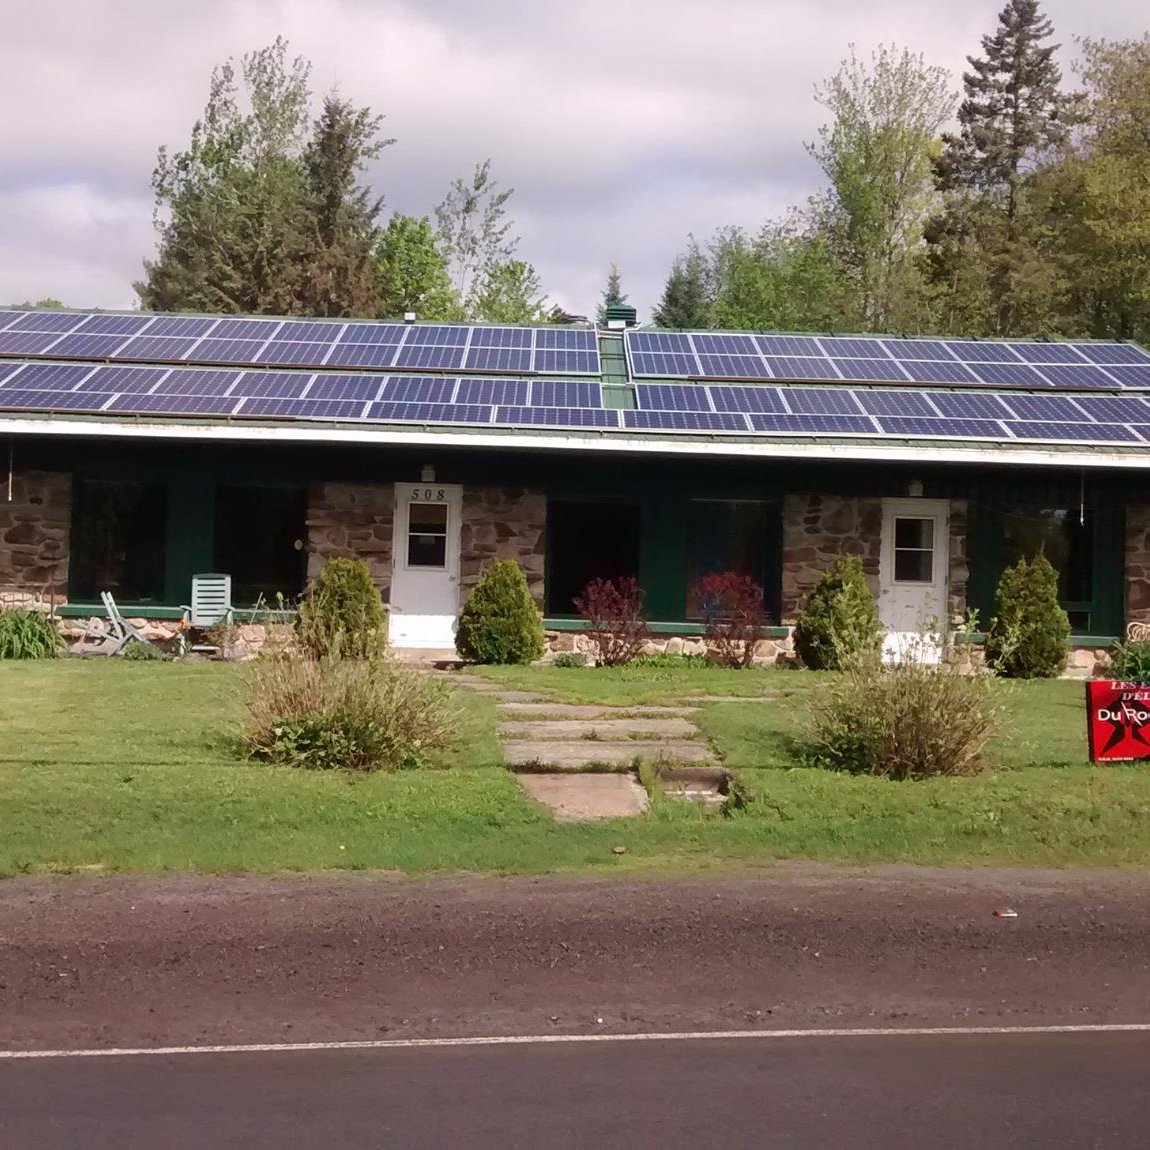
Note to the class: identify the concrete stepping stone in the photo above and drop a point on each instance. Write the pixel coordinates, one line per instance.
(521, 697)
(694, 699)
(594, 729)
(588, 754)
(579, 798)
(591, 711)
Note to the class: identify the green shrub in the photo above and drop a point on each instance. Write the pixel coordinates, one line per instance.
(912, 720)
(342, 613)
(668, 660)
(348, 714)
(839, 627)
(499, 622)
(28, 635)
(137, 652)
(569, 659)
(1029, 636)
(1131, 661)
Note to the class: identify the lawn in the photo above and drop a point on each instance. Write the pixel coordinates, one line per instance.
(122, 766)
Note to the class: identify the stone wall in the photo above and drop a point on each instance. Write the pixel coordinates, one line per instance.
(1138, 563)
(503, 523)
(34, 527)
(817, 529)
(352, 521)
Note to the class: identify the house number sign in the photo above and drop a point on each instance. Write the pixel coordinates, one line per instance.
(429, 495)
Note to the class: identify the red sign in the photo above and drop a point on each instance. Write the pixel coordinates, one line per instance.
(1118, 721)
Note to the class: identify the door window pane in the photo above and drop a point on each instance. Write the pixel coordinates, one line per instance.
(427, 535)
(117, 543)
(913, 550)
(260, 534)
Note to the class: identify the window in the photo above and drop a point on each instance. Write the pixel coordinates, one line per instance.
(588, 540)
(260, 534)
(1066, 536)
(729, 535)
(117, 542)
(427, 535)
(913, 550)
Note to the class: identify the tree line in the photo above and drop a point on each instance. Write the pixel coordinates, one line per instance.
(1033, 218)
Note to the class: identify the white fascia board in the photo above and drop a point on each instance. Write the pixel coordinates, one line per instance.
(826, 449)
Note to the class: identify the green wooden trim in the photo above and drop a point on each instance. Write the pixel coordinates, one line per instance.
(567, 623)
(154, 611)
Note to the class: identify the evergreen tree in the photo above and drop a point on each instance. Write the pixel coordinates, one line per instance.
(613, 295)
(686, 297)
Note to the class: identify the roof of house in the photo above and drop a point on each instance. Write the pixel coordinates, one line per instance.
(575, 388)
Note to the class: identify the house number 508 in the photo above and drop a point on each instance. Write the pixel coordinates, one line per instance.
(430, 494)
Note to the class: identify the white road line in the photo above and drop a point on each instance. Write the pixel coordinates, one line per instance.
(559, 1039)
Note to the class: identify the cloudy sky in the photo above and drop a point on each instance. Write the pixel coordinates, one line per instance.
(623, 125)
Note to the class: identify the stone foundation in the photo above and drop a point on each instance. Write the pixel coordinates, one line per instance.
(352, 521)
(34, 527)
(769, 651)
(503, 523)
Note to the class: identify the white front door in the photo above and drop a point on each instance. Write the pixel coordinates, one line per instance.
(425, 565)
(913, 577)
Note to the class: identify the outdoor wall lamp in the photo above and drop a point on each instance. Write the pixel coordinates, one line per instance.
(427, 474)
(914, 489)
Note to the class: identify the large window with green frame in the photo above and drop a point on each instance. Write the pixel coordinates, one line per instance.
(260, 534)
(588, 539)
(739, 535)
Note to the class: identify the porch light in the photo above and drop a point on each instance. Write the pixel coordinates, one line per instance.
(914, 489)
(427, 474)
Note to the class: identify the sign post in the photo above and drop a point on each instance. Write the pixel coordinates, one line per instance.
(1118, 720)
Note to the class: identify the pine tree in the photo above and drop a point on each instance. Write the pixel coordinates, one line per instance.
(613, 295)
(686, 298)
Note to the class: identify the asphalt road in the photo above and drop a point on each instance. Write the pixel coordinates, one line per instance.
(957, 1091)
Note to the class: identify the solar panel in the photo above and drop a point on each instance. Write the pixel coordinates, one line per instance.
(437, 336)
(59, 321)
(942, 428)
(1127, 375)
(685, 420)
(853, 348)
(418, 389)
(362, 355)
(918, 349)
(747, 399)
(183, 325)
(1076, 375)
(124, 325)
(520, 337)
(897, 403)
(391, 333)
(566, 339)
(794, 367)
(53, 376)
(1018, 374)
(565, 393)
(309, 331)
(938, 371)
(821, 401)
(672, 397)
(576, 362)
(429, 413)
(1114, 409)
(194, 381)
(1074, 432)
(440, 356)
(1114, 353)
(259, 329)
(664, 342)
(1044, 352)
(734, 367)
(26, 342)
(981, 351)
(135, 380)
(9, 317)
(508, 392)
(863, 369)
(723, 343)
(813, 424)
(84, 346)
(661, 363)
(212, 350)
(360, 388)
(286, 384)
(279, 408)
(161, 347)
(558, 416)
(53, 400)
(173, 404)
(7, 369)
(498, 359)
(1047, 408)
(282, 352)
(969, 405)
(788, 345)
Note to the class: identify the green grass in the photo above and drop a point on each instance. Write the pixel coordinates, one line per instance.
(132, 767)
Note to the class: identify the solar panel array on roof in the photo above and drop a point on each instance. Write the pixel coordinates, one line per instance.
(359, 344)
(1036, 365)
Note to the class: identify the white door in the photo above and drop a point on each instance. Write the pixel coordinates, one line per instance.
(425, 565)
(913, 577)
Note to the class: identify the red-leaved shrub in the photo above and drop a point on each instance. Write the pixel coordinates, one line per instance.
(616, 622)
(732, 607)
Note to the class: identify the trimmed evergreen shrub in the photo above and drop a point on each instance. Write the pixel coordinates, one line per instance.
(499, 622)
(1029, 636)
(28, 635)
(342, 614)
(839, 627)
